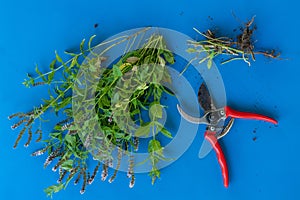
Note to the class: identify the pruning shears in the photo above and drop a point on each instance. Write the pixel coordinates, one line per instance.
(214, 119)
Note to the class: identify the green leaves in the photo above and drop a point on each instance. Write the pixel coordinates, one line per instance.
(67, 165)
(169, 57)
(156, 111)
(53, 189)
(56, 135)
(90, 42)
(154, 174)
(29, 81)
(166, 133)
(40, 73)
(156, 154)
(117, 72)
(144, 69)
(70, 139)
(58, 58)
(51, 74)
(191, 50)
(81, 46)
(209, 63)
(155, 146)
(143, 130)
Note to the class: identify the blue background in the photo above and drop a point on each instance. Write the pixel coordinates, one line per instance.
(267, 168)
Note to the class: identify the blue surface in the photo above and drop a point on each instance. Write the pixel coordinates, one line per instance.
(265, 169)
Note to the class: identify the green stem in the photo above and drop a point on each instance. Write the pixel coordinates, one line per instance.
(92, 48)
(44, 109)
(231, 59)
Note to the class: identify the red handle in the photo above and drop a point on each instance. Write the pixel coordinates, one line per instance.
(210, 136)
(247, 115)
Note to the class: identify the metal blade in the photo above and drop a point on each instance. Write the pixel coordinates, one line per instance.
(194, 120)
(205, 99)
(206, 103)
(226, 129)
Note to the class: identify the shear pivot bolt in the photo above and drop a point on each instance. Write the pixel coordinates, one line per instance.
(212, 128)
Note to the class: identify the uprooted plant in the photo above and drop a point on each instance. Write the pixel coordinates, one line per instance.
(74, 139)
(239, 48)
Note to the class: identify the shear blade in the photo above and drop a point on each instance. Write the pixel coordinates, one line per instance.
(205, 99)
(187, 117)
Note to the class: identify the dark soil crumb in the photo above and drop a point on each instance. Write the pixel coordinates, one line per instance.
(96, 25)
(254, 139)
(210, 18)
(254, 131)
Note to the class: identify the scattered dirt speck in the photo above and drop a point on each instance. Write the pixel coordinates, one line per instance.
(96, 25)
(254, 139)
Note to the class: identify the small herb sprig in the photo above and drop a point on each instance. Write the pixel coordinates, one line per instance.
(239, 48)
(66, 149)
